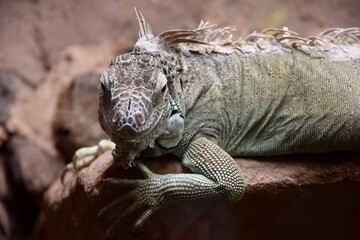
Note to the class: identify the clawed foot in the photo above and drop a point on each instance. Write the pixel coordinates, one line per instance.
(146, 195)
(216, 179)
(86, 155)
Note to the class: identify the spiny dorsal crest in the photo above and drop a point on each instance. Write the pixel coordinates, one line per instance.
(204, 34)
(207, 38)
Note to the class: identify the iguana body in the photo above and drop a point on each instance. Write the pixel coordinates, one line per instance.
(204, 98)
(272, 104)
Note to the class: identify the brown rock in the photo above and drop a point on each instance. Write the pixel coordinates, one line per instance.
(4, 194)
(18, 210)
(7, 95)
(76, 122)
(31, 167)
(3, 135)
(291, 197)
(12, 86)
(34, 115)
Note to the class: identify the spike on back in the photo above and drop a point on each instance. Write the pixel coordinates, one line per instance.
(146, 41)
(145, 31)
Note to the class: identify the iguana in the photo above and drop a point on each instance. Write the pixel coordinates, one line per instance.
(205, 98)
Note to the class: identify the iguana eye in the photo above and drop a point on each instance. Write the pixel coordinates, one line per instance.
(102, 89)
(161, 83)
(105, 84)
(161, 87)
(104, 80)
(101, 92)
(164, 88)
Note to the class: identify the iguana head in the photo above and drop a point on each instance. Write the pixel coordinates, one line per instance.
(141, 101)
(137, 104)
(134, 102)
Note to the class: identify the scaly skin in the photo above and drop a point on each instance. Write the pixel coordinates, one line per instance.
(204, 98)
(274, 104)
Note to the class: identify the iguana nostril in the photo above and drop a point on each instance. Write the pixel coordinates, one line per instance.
(116, 117)
(140, 119)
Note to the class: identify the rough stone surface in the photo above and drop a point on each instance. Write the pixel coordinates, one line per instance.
(290, 197)
(3, 135)
(12, 85)
(25, 155)
(18, 209)
(4, 193)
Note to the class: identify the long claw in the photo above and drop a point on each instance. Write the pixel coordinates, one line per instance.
(111, 229)
(138, 225)
(115, 202)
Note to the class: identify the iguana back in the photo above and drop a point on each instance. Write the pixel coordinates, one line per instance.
(277, 103)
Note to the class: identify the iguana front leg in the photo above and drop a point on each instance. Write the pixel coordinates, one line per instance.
(216, 179)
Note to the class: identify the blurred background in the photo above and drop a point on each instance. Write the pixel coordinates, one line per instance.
(51, 55)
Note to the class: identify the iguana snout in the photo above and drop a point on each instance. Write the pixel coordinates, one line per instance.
(130, 114)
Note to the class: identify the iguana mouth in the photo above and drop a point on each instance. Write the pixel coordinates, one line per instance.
(129, 147)
(122, 159)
